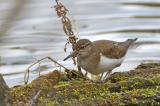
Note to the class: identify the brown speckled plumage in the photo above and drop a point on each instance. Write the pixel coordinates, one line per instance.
(100, 56)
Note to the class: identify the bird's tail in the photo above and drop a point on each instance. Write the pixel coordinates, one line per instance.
(130, 41)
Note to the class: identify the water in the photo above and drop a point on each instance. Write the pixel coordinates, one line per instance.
(33, 31)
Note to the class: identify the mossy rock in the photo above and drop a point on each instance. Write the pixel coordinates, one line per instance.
(139, 87)
(3, 91)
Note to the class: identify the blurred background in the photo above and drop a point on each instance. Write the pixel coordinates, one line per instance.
(31, 30)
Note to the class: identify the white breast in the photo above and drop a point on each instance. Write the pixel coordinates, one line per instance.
(107, 64)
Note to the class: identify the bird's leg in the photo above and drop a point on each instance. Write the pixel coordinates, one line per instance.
(99, 79)
(79, 70)
(86, 74)
(101, 76)
(107, 74)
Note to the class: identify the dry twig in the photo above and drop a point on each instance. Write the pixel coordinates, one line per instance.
(69, 73)
(62, 13)
(34, 99)
(26, 75)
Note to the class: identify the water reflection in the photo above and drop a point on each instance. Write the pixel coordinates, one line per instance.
(36, 32)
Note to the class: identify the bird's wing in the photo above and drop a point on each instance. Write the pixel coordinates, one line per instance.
(111, 49)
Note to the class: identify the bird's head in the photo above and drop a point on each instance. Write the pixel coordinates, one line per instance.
(81, 49)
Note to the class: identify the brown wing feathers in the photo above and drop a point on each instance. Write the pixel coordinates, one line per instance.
(112, 49)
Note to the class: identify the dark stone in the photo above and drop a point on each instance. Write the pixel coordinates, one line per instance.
(127, 100)
(157, 97)
(114, 87)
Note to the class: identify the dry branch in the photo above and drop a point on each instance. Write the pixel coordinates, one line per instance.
(69, 73)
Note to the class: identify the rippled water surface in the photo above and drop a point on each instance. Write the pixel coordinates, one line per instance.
(30, 30)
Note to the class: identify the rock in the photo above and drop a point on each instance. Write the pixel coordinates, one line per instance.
(3, 91)
(139, 87)
(26, 93)
(114, 88)
(157, 97)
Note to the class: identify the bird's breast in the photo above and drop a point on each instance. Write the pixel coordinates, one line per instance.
(88, 64)
(83, 63)
(97, 66)
(107, 64)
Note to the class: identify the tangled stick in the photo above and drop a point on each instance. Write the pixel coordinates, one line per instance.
(69, 73)
(62, 12)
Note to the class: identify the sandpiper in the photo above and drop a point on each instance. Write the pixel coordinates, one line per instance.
(100, 56)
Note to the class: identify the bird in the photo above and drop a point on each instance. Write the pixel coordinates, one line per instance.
(100, 56)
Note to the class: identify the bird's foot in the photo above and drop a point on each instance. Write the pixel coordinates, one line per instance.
(106, 76)
(98, 81)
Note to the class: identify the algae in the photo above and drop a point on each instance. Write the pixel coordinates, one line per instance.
(139, 87)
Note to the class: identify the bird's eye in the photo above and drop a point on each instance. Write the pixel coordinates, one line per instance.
(83, 46)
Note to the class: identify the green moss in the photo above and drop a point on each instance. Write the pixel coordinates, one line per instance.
(61, 84)
(46, 102)
(137, 87)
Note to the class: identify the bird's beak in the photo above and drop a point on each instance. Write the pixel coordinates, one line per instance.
(73, 54)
